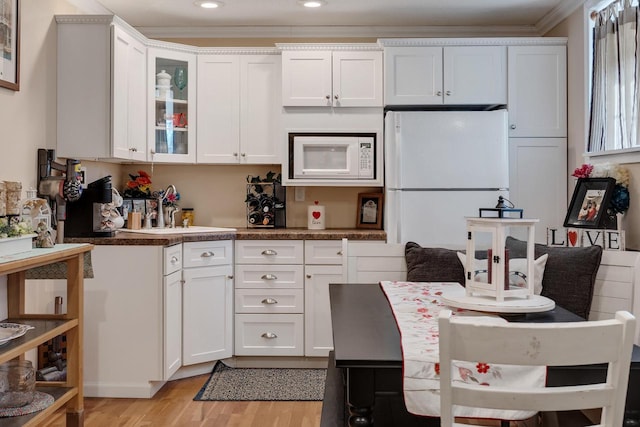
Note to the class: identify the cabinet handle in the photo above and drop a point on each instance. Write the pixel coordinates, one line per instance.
(243, 154)
(328, 96)
(308, 276)
(230, 276)
(174, 260)
(438, 93)
(133, 149)
(235, 154)
(269, 301)
(448, 93)
(207, 254)
(269, 277)
(269, 252)
(339, 253)
(269, 335)
(512, 126)
(335, 96)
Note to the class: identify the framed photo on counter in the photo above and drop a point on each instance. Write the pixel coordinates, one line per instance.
(369, 210)
(10, 44)
(589, 202)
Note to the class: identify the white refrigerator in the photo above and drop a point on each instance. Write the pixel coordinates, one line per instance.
(441, 167)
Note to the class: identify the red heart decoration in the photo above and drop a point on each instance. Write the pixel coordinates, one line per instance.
(573, 237)
(316, 214)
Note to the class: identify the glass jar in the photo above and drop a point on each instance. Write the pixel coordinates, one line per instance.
(17, 383)
(188, 215)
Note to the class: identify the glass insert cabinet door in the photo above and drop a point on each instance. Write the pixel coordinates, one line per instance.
(172, 110)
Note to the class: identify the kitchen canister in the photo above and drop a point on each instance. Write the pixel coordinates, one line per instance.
(163, 83)
(316, 217)
(14, 194)
(3, 199)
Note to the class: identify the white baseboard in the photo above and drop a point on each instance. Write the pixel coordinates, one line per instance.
(144, 390)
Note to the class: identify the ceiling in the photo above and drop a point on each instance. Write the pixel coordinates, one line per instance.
(170, 15)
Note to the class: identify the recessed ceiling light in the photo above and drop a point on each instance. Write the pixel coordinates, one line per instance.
(312, 3)
(208, 4)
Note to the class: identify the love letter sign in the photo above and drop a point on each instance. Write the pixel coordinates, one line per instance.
(611, 240)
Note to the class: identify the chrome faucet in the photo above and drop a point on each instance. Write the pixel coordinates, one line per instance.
(171, 189)
(172, 215)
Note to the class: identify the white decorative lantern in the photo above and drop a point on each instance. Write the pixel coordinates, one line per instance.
(499, 280)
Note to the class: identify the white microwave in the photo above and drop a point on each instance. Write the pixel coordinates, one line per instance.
(332, 155)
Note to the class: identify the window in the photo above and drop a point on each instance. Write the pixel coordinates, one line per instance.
(615, 78)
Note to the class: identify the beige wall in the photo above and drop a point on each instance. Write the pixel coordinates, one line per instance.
(28, 117)
(576, 28)
(217, 194)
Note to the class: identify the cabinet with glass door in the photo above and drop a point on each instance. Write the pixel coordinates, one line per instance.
(172, 107)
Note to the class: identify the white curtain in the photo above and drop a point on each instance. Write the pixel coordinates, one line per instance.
(615, 80)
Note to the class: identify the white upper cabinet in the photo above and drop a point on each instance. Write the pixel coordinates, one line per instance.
(101, 89)
(455, 75)
(537, 91)
(475, 75)
(238, 108)
(128, 108)
(325, 78)
(171, 88)
(413, 75)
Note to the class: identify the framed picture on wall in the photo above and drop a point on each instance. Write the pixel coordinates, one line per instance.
(588, 207)
(369, 210)
(10, 44)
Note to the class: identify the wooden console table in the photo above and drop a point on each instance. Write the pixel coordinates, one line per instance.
(48, 326)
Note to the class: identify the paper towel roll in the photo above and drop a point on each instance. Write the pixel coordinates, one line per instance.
(316, 219)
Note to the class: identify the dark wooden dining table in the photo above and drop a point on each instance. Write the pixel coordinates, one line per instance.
(364, 377)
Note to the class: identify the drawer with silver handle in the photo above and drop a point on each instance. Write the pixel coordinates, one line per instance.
(269, 301)
(327, 252)
(202, 254)
(269, 335)
(172, 259)
(269, 252)
(269, 276)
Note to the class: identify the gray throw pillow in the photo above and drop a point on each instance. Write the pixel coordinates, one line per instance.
(432, 264)
(569, 276)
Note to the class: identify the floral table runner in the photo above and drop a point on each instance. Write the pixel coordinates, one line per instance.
(416, 307)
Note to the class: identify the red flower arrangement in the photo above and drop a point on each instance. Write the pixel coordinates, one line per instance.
(583, 171)
(139, 185)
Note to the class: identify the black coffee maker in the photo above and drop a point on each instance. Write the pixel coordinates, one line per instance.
(85, 216)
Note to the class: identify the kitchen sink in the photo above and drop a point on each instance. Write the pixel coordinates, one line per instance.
(180, 230)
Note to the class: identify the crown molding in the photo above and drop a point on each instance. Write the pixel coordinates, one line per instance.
(238, 50)
(559, 13)
(493, 41)
(336, 31)
(101, 19)
(328, 46)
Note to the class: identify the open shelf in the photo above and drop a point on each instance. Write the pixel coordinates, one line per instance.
(61, 396)
(48, 326)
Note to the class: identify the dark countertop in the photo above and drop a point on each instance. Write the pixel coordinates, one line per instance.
(138, 239)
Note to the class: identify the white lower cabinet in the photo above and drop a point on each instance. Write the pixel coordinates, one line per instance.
(323, 265)
(207, 301)
(269, 307)
(149, 313)
(172, 323)
(132, 329)
(269, 334)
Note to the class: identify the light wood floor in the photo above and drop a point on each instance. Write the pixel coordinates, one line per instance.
(173, 405)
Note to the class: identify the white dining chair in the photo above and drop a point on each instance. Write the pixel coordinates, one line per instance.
(467, 338)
